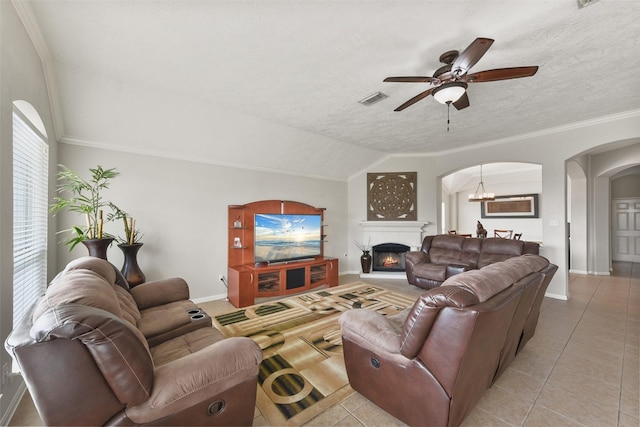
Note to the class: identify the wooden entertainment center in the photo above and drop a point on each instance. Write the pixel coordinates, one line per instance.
(248, 280)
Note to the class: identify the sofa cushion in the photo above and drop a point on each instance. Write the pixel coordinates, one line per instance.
(496, 277)
(128, 306)
(184, 345)
(424, 312)
(497, 249)
(84, 287)
(446, 249)
(97, 265)
(471, 249)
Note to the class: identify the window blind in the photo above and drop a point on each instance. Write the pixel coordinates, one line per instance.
(30, 214)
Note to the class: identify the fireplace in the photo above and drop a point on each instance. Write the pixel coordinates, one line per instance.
(389, 257)
(405, 233)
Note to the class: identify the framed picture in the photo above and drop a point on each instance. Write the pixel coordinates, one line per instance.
(392, 196)
(516, 206)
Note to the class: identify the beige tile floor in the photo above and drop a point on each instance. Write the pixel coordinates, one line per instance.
(580, 369)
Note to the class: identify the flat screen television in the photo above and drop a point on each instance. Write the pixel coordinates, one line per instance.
(287, 237)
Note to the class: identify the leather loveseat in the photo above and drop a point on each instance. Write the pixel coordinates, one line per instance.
(93, 352)
(444, 255)
(430, 364)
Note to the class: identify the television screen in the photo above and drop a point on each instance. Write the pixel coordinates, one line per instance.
(285, 237)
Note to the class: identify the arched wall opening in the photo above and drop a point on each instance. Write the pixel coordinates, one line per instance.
(501, 178)
(600, 165)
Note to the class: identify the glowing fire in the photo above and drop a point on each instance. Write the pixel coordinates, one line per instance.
(389, 261)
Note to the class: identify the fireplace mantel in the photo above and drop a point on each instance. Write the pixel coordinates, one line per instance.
(408, 233)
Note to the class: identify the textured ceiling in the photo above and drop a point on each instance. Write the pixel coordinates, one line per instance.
(305, 64)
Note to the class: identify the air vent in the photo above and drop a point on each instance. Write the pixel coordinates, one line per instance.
(584, 3)
(373, 98)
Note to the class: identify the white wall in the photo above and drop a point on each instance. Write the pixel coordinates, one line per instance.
(602, 166)
(21, 78)
(427, 210)
(552, 149)
(577, 216)
(181, 207)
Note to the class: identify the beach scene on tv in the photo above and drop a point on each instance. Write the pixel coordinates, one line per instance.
(282, 237)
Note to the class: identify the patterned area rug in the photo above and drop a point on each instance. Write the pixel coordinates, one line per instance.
(302, 372)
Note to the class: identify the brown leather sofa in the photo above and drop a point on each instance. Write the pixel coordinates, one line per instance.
(93, 352)
(444, 255)
(430, 364)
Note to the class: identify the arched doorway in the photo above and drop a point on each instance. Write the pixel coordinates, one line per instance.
(501, 178)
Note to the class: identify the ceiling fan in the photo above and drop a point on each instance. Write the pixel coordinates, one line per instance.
(449, 82)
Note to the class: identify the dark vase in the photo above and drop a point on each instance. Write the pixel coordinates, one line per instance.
(365, 261)
(130, 269)
(98, 247)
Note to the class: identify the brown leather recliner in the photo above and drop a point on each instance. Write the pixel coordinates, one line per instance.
(430, 364)
(444, 255)
(93, 353)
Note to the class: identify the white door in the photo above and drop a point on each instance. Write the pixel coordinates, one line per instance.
(626, 229)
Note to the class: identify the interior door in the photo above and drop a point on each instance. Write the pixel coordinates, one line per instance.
(626, 229)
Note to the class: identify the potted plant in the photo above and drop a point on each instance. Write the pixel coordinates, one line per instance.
(85, 197)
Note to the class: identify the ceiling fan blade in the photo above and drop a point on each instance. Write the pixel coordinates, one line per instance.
(501, 74)
(471, 55)
(462, 102)
(415, 99)
(411, 79)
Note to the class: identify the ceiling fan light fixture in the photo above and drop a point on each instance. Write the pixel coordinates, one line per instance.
(449, 92)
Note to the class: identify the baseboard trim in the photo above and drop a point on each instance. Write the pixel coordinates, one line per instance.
(13, 406)
(383, 275)
(557, 296)
(210, 298)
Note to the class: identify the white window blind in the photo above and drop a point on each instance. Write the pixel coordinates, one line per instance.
(30, 212)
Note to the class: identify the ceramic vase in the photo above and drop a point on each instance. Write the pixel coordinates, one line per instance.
(130, 269)
(98, 247)
(365, 261)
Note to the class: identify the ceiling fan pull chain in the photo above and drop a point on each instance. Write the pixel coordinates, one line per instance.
(448, 108)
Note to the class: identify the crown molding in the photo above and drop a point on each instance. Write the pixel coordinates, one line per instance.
(173, 156)
(26, 15)
(517, 138)
(525, 136)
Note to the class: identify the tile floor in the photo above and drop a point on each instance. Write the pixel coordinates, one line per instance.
(580, 369)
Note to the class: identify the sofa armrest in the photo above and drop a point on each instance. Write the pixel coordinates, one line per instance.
(163, 321)
(153, 294)
(185, 382)
(453, 269)
(370, 329)
(416, 257)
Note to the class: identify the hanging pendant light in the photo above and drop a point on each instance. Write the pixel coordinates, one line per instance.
(481, 194)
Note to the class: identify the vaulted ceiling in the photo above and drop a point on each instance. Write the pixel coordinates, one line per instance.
(292, 72)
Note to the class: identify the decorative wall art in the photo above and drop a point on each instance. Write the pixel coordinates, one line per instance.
(392, 196)
(516, 206)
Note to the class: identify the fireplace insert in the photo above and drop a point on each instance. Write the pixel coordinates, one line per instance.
(389, 257)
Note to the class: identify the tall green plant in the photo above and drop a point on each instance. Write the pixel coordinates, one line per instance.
(131, 234)
(85, 198)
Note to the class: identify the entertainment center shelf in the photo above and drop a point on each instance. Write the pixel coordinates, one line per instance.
(252, 276)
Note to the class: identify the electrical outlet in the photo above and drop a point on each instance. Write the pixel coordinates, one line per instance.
(221, 277)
